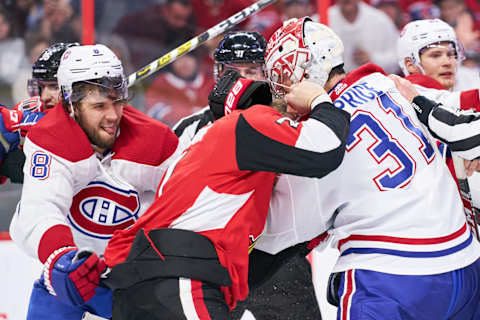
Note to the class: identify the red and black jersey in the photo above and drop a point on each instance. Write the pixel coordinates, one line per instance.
(222, 184)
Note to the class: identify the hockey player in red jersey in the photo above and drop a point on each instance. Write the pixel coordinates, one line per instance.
(193, 243)
(93, 165)
(290, 290)
(44, 94)
(391, 207)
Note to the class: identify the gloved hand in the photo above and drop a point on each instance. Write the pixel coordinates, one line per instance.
(233, 91)
(14, 126)
(33, 104)
(9, 134)
(73, 275)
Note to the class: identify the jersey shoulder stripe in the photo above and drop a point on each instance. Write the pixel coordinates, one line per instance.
(59, 134)
(143, 139)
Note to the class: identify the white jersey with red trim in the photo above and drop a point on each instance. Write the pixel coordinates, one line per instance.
(432, 89)
(70, 194)
(392, 205)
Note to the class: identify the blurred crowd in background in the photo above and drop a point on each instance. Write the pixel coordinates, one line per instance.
(141, 31)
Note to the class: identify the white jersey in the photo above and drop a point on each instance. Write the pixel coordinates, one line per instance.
(68, 191)
(432, 89)
(391, 206)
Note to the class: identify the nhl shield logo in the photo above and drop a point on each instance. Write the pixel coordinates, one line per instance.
(100, 209)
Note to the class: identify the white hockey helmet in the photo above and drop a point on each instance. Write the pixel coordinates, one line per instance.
(301, 49)
(420, 34)
(95, 64)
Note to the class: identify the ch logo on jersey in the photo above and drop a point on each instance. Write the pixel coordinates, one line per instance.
(100, 209)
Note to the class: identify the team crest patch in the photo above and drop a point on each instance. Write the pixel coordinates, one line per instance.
(100, 209)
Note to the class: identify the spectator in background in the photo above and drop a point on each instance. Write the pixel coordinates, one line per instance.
(270, 19)
(156, 29)
(19, 12)
(11, 51)
(211, 12)
(392, 9)
(421, 10)
(35, 44)
(367, 33)
(56, 23)
(179, 92)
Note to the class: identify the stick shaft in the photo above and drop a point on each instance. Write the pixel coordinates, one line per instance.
(193, 43)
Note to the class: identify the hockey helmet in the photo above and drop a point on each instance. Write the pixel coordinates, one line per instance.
(92, 64)
(421, 34)
(46, 66)
(240, 47)
(301, 49)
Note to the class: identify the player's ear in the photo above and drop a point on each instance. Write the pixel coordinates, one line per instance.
(411, 67)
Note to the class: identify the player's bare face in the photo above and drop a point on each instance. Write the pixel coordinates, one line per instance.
(99, 117)
(440, 63)
(253, 71)
(49, 93)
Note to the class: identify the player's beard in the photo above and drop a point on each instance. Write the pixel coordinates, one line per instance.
(94, 134)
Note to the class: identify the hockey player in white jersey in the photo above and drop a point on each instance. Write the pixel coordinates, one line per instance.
(93, 165)
(289, 291)
(392, 209)
(429, 53)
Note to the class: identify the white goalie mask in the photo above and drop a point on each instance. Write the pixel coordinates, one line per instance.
(93, 64)
(301, 49)
(421, 34)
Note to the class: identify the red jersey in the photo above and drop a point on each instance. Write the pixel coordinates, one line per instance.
(221, 186)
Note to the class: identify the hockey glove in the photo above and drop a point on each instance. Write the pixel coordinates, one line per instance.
(9, 135)
(233, 91)
(33, 104)
(14, 126)
(73, 275)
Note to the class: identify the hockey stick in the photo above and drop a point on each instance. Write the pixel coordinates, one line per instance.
(471, 212)
(193, 43)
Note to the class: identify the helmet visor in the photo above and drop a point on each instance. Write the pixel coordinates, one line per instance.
(114, 88)
(455, 49)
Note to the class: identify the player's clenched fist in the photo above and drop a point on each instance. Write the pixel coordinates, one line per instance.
(305, 95)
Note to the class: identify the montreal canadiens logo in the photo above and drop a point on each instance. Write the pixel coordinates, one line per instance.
(100, 209)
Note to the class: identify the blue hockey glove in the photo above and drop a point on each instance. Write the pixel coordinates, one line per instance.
(73, 275)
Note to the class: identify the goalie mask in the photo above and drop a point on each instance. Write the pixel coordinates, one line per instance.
(93, 65)
(301, 49)
(422, 34)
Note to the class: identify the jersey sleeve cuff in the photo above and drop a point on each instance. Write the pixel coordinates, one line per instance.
(54, 238)
(423, 107)
(320, 99)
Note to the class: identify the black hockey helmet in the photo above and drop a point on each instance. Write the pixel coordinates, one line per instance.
(46, 66)
(241, 47)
